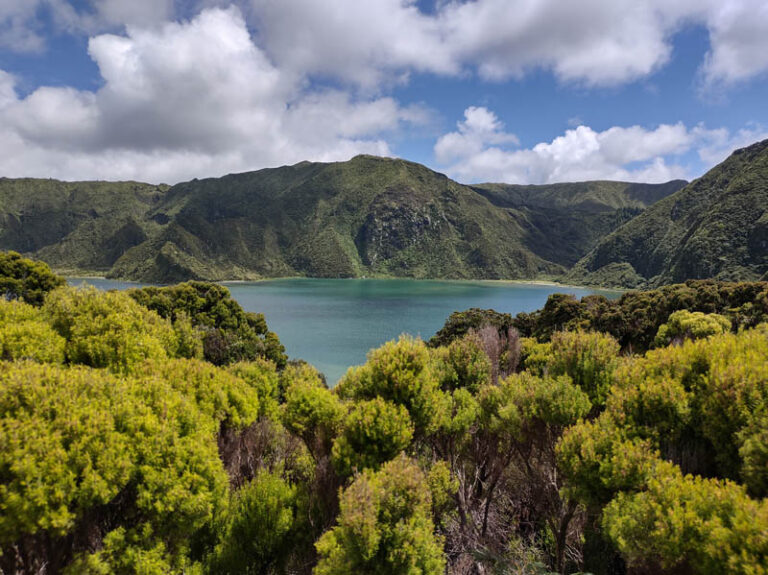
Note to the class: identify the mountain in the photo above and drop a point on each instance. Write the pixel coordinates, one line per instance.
(76, 226)
(716, 227)
(368, 216)
(564, 221)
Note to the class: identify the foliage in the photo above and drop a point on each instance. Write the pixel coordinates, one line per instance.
(131, 551)
(589, 359)
(374, 432)
(405, 373)
(459, 324)
(78, 444)
(108, 329)
(312, 411)
(426, 459)
(695, 408)
(25, 334)
(262, 527)
(713, 228)
(25, 279)
(679, 522)
(684, 324)
(599, 461)
(384, 526)
(634, 319)
(262, 376)
(230, 334)
(467, 366)
(523, 400)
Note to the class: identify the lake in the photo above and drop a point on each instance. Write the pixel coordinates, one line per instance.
(333, 323)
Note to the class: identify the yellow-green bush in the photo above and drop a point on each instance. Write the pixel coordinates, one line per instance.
(262, 527)
(686, 324)
(709, 397)
(261, 374)
(384, 526)
(75, 438)
(404, 372)
(523, 400)
(24, 334)
(589, 358)
(374, 432)
(690, 524)
(108, 329)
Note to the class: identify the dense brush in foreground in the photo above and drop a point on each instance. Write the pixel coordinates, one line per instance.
(124, 449)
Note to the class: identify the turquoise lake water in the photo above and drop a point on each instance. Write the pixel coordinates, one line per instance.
(333, 323)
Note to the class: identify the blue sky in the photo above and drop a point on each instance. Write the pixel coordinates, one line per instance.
(523, 91)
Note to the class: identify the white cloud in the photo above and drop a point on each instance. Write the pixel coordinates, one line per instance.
(716, 145)
(632, 153)
(479, 129)
(376, 42)
(595, 42)
(738, 34)
(211, 94)
(184, 100)
(19, 26)
(364, 43)
(132, 12)
(592, 42)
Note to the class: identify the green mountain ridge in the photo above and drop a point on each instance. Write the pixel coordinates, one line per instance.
(368, 216)
(565, 220)
(716, 227)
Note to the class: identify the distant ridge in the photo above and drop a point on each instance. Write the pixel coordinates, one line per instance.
(367, 216)
(716, 227)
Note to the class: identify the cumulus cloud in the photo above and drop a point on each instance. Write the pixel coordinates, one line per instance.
(364, 43)
(19, 26)
(632, 153)
(738, 41)
(185, 100)
(23, 22)
(716, 145)
(377, 42)
(277, 81)
(480, 128)
(592, 42)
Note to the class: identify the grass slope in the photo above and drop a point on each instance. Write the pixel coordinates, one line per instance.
(564, 221)
(716, 227)
(75, 225)
(368, 216)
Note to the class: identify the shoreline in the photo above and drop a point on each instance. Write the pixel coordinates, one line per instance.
(532, 282)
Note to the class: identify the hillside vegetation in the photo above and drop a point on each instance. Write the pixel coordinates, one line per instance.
(366, 217)
(124, 449)
(564, 221)
(716, 227)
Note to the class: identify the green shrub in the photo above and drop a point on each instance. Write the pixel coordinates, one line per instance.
(263, 526)
(384, 526)
(588, 358)
(405, 373)
(108, 329)
(25, 279)
(374, 432)
(685, 324)
(230, 334)
(24, 334)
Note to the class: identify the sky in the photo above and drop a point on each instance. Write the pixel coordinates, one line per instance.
(517, 91)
